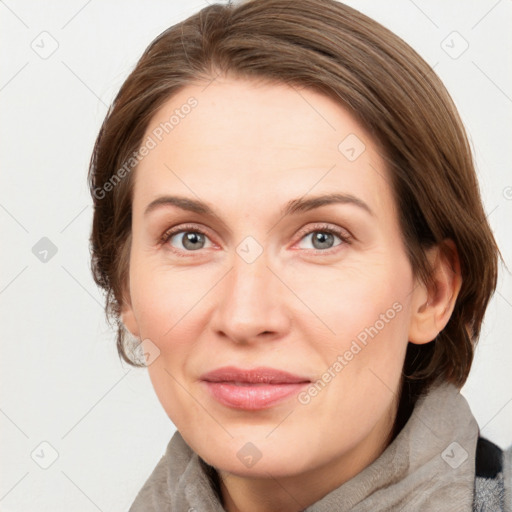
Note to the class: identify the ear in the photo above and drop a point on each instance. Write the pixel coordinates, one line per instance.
(432, 305)
(128, 315)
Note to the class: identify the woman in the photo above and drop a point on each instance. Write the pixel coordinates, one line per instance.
(288, 222)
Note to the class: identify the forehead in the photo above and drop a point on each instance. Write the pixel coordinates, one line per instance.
(256, 140)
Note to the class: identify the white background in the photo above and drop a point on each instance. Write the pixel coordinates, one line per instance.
(61, 380)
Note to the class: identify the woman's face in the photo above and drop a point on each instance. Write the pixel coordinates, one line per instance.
(255, 274)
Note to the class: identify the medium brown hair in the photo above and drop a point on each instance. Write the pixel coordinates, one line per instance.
(333, 49)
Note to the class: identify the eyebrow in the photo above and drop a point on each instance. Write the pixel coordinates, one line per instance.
(294, 206)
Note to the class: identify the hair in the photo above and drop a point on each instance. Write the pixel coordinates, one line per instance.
(333, 49)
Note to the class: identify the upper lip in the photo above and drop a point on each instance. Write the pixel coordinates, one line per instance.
(260, 375)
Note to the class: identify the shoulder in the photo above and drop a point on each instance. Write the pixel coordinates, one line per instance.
(493, 479)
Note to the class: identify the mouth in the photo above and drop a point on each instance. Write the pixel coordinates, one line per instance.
(253, 389)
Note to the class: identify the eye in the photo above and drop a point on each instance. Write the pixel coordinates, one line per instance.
(323, 238)
(186, 239)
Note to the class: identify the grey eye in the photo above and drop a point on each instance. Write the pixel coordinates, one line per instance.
(191, 240)
(321, 240)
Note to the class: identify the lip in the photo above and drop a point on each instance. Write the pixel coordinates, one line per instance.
(252, 389)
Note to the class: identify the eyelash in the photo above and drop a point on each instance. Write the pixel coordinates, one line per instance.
(343, 235)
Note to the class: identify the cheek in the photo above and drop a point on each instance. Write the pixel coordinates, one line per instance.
(361, 313)
(166, 299)
(168, 304)
(355, 297)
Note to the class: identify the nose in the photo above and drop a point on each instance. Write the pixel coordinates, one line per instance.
(251, 305)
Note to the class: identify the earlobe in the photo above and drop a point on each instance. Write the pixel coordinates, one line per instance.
(433, 304)
(128, 318)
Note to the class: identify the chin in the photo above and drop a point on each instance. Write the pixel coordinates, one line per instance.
(256, 457)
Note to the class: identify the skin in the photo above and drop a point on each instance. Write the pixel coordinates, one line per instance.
(247, 149)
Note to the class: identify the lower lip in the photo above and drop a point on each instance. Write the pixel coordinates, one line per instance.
(252, 396)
